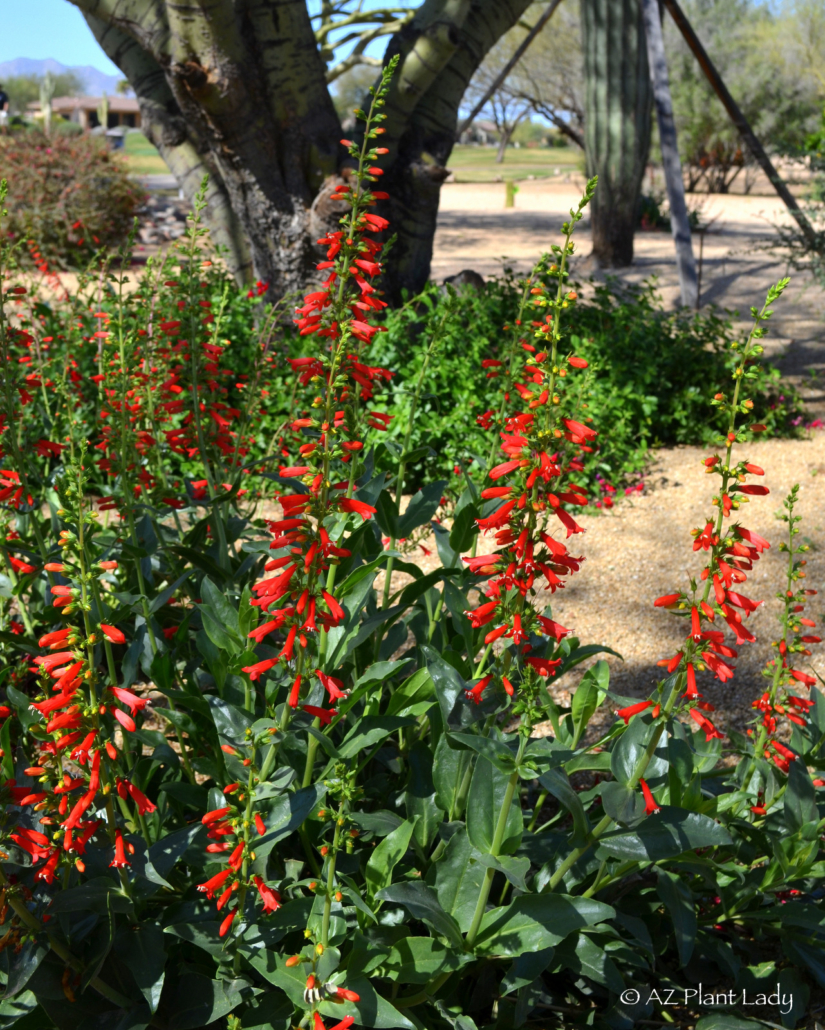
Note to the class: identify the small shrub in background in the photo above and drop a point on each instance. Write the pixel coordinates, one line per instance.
(645, 367)
(69, 193)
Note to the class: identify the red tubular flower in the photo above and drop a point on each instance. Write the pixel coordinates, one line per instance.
(667, 600)
(120, 860)
(256, 671)
(271, 898)
(227, 923)
(628, 713)
(706, 725)
(650, 801)
(143, 803)
(212, 885)
(474, 694)
(113, 633)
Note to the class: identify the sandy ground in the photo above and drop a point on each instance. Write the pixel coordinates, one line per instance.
(642, 548)
(476, 231)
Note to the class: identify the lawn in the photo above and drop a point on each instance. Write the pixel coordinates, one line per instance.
(478, 164)
(142, 157)
(468, 163)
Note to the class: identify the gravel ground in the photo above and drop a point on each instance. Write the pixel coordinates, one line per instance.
(642, 549)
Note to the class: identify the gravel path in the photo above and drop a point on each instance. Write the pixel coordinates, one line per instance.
(643, 548)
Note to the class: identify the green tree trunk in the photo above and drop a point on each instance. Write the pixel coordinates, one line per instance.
(617, 122)
(237, 89)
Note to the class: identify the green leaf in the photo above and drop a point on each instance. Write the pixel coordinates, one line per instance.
(537, 921)
(422, 903)
(287, 814)
(422, 507)
(166, 852)
(464, 529)
(800, 798)
(23, 964)
(416, 688)
(230, 722)
(197, 1000)
(372, 1010)
(94, 895)
(493, 750)
(629, 748)
(727, 1021)
(369, 731)
(386, 515)
(386, 857)
(165, 595)
(458, 879)
(678, 900)
(590, 693)
(556, 782)
(22, 1012)
(449, 769)
(515, 869)
(141, 949)
(272, 1011)
(525, 969)
(417, 960)
(419, 798)
(186, 793)
(217, 631)
(484, 803)
(668, 833)
(449, 686)
(584, 956)
(623, 805)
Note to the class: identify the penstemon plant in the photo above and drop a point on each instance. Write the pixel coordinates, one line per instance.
(248, 783)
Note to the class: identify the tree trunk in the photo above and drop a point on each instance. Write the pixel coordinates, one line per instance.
(617, 122)
(502, 146)
(441, 49)
(236, 89)
(679, 219)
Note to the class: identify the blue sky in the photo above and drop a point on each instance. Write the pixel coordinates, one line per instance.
(55, 28)
(49, 28)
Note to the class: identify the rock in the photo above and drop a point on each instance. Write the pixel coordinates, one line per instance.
(466, 279)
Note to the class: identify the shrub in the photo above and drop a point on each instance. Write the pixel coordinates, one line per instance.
(650, 401)
(68, 193)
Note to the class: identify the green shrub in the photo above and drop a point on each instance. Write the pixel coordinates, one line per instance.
(645, 367)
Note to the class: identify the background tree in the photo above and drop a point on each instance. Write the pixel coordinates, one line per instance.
(550, 76)
(617, 121)
(771, 61)
(239, 89)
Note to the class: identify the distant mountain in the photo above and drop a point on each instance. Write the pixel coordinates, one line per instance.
(95, 82)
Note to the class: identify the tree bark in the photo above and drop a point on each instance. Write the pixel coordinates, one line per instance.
(236, 89)
(421, 136)
(617, 122)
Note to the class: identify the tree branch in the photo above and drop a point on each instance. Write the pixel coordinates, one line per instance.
(520, 51)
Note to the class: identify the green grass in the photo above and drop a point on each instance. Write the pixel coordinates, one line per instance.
(469, 164)
(478, 164)
(141, 157)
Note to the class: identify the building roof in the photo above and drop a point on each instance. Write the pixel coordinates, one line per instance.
(65, 105)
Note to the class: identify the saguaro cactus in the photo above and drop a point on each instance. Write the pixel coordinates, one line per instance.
(617, 121)
(47, 90)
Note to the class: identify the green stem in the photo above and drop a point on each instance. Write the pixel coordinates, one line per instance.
(495, 848)
(331, 861)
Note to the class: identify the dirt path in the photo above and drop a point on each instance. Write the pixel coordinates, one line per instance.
(476, 231)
